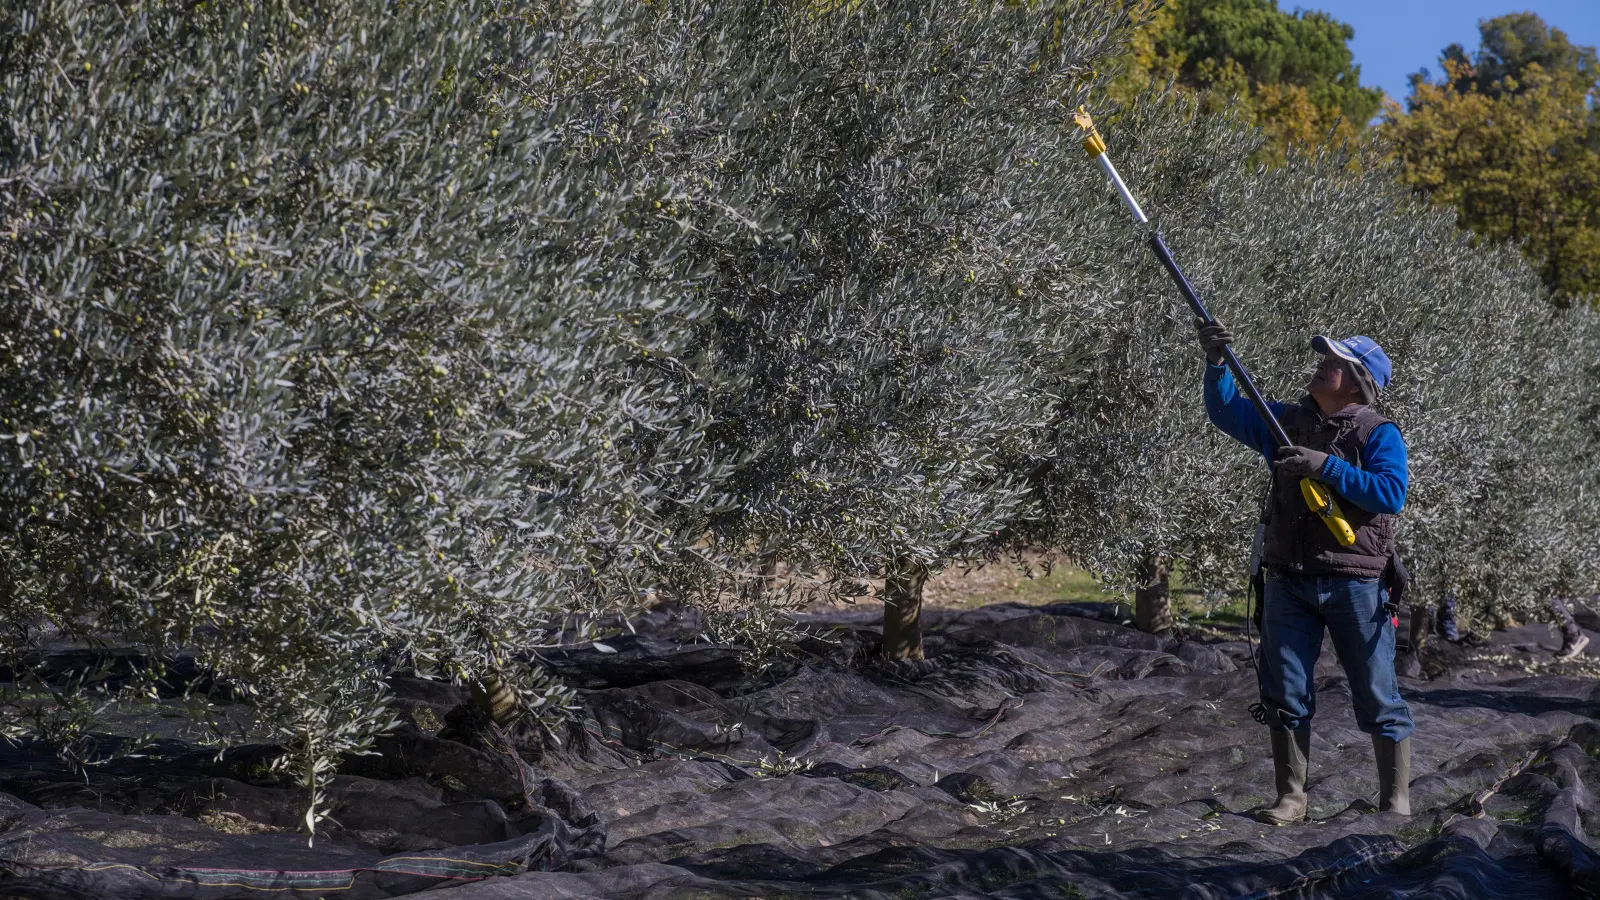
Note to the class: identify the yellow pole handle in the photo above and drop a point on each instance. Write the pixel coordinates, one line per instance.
(1321, 501)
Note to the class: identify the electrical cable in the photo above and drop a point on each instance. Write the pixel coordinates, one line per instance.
(1258, 710)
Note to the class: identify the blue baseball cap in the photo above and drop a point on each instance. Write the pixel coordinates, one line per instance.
(1359, 349)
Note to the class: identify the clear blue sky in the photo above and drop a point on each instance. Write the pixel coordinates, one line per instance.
(1397, 37)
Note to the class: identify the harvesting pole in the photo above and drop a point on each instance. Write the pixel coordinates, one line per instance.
(1316, 494)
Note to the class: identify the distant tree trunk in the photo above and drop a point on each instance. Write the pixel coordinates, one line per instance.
(764, 578)
(495, 699)
(1421, 625)
(902, 610)
(1152, 599)
(1561, 616)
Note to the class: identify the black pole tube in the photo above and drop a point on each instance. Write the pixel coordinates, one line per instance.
(1171, 265)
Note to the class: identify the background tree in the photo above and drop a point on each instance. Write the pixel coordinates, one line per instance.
(1534, 507)
(1511, 43)
(1510, 139)
(1291, 73)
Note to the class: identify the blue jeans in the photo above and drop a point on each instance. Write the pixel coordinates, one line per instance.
(1295, 611)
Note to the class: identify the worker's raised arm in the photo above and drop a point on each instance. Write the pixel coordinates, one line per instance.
(1232, 412)
(1228, 409)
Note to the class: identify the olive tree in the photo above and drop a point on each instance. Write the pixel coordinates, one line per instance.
(874, 356)
(320, 330)
(1534, 527)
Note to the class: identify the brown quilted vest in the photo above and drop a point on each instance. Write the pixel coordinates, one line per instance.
(1297, 540)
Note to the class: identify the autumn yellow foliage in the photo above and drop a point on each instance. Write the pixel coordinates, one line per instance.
(1290, 74)
(1518, 162)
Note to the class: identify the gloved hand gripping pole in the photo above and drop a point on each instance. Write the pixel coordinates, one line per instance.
(1316, 494)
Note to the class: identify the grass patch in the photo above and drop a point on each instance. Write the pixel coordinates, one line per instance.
(1190, 607)
(1005, 583)
(1416, 834)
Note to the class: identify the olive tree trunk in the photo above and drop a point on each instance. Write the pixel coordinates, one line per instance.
(902, 610)
(1422, 623)
(496, 699)
(1152, 599)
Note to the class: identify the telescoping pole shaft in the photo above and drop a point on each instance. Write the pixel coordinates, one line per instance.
(1316, 494)
(1243, 377)
(1096, 147)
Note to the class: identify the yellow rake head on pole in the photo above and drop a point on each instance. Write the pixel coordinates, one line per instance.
(1093, 143)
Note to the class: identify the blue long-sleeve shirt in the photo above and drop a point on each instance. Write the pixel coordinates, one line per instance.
(1377, 486)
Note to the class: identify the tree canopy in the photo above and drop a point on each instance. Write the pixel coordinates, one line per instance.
(315, 344)
(1292, 73)
(1510, 138)
(1511, 43)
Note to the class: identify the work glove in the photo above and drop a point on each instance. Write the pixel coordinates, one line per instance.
(1301, 462)
(1213, 337)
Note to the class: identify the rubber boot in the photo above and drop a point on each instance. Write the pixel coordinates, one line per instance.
(1291, 751)
(1394, 774)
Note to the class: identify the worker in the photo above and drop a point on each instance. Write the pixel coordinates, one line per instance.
(1312, 582)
